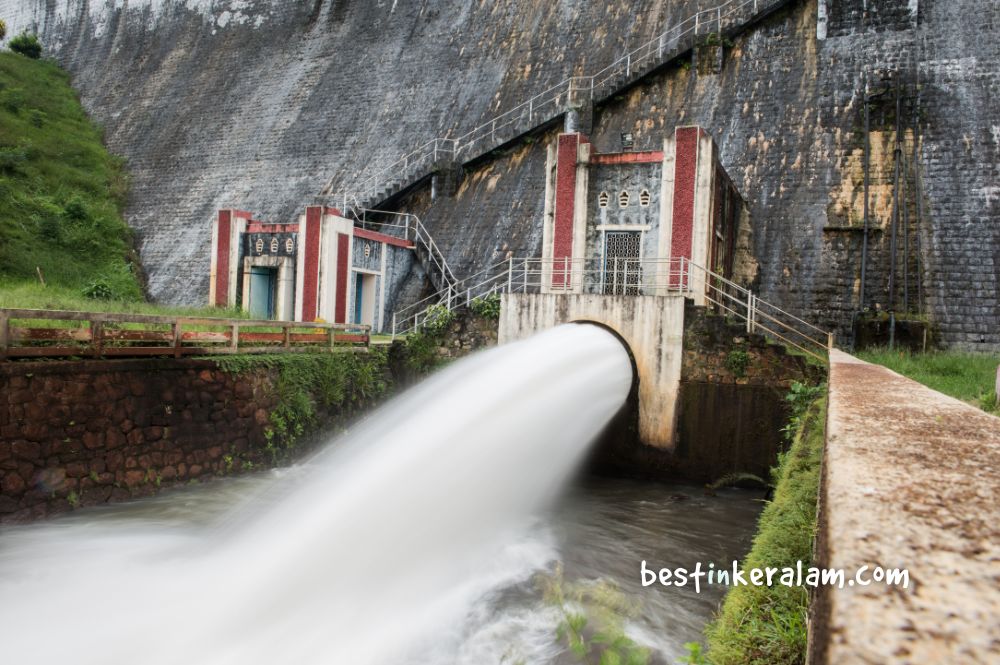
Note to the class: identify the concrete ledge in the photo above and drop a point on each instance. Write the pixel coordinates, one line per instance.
(910, 480)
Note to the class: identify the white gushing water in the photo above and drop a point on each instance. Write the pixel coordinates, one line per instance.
(359, 556)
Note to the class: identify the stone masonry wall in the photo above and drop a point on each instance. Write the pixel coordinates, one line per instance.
(81, 433)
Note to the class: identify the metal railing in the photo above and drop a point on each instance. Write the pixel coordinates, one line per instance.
(408, 227)
(32, 333)
(625, 276)
(546, 106)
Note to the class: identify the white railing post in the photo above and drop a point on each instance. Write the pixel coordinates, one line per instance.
(525, 278)
(749, 312)
(394, 326)
(510, 274)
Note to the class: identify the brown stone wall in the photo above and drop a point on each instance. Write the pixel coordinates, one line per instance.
(89, 432)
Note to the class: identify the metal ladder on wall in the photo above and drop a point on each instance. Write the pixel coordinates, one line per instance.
(574, 92)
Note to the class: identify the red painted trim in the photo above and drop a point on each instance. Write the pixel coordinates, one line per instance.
(565, 204)
(340, 309)
(381, 237)
(310, 271)
(332, 211)
(685, 165)
(263, 227)
(242, 214)
(648, 157)
(222, 258)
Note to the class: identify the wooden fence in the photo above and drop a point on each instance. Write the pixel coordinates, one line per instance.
(29, 333)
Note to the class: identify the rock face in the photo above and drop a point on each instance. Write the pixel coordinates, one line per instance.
(257, 103)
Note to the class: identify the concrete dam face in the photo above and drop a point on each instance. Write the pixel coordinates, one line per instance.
(257, 104)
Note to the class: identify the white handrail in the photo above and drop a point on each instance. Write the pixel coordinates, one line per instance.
(623, 276)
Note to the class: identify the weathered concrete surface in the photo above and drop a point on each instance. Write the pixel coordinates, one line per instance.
(651, 326)
(910, 480)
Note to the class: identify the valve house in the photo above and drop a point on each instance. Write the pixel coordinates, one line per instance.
(625, 223)
(321, 267)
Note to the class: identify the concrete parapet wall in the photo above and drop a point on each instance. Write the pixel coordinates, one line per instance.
(910, 480)
(651, 326)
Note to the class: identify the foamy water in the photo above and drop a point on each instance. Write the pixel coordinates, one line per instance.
(365, 554)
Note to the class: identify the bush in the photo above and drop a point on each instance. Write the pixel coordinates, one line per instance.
(11, 158)
(118, 283)
(437, 320)
(3, 29)
(27, 45)
(487, 306)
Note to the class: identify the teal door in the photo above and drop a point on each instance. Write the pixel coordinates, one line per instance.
(262, 286)
(358, 297)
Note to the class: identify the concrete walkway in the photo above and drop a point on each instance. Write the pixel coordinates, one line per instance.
(911, 480)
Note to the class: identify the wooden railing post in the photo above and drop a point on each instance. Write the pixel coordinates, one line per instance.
(175, 328)
(96, 337)
(288, 336)
(234, 340)
(4, 334)
(332, 331)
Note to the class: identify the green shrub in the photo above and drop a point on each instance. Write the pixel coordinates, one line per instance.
(118, 283)
(12, 99)
(737, 362)
(27, 45)
(436, 320)
(3, 29)
(487, 306)
(11, 157)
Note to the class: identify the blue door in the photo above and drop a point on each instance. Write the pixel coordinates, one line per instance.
(262, 286)
(358, 296)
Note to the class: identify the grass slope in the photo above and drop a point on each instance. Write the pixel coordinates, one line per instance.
(767, 625)
(970, 377)
(61, 194)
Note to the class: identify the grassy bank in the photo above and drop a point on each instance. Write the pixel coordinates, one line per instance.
(61, 196)
(970, 377)
(767, 625)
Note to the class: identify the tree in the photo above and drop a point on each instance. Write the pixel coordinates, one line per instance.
(27, 45)
(3, 29)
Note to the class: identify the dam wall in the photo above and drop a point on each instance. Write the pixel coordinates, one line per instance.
(257, 104)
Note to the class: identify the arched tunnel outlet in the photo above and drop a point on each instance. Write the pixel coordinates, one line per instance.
(691, 413)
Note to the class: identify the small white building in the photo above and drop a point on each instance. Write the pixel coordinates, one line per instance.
(321, 267)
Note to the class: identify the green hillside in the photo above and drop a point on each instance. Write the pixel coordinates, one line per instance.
(61, 196)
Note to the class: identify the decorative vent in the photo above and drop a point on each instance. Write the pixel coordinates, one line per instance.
(259, 246)
(603, 199)
(644, 198)
(274, 245)
(368, 250)
(623, 199)
(289, 246)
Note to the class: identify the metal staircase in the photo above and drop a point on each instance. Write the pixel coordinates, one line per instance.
(726, 19)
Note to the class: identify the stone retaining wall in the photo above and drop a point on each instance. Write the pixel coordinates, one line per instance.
(88, 432)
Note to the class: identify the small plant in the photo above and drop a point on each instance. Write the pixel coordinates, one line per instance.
(27, 45)
(74, 499)
(799, 397)
(695, 654)
(437, 319)
(93, 476)
(3, 29)
(487, 306)
(737, 362)
(593, 618)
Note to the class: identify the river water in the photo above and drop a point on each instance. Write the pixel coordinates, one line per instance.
(424, 536)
